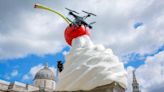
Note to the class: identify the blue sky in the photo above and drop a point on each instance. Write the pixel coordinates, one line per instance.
(135, 59)
(30, 37)
(23, 65)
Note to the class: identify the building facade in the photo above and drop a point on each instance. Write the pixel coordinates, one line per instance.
(44, 80)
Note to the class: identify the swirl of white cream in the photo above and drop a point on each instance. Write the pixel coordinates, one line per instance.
(89, 66)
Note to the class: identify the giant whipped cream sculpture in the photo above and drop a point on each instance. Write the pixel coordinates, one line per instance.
(87, 65)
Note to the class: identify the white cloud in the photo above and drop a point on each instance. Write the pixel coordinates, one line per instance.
(6, 76)
(31, 37)
(35, 69)
(65, 53)
(151, 74)
(30, 75)
(14, 73)
(25, 77)
(40, 32)
(114, 27)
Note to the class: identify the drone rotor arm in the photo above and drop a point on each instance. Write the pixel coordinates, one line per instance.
(92, 23)
(88, 13)
(71, 10)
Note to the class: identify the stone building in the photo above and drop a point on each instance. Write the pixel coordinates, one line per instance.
(44, 80)
(16, 87)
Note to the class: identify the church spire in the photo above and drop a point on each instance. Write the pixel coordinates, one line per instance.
(135, 84)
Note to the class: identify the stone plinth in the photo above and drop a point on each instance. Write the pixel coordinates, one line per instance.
(113, 87)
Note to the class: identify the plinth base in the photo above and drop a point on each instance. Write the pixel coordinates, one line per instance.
(113, 87)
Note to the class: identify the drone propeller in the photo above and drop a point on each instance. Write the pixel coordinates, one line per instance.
(88, 13)
(92, 23)
(89, 25)
(71, 10)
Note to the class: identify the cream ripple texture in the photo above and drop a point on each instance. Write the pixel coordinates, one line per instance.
(89, 66)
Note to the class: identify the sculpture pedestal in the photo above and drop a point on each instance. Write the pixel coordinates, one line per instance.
(113, 87)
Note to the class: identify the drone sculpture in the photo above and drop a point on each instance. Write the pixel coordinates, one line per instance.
(77, 27)
(78, 21)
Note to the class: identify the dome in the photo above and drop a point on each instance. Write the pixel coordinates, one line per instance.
(44, 73)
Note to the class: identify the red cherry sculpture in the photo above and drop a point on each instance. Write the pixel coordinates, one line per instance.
(74, 31)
